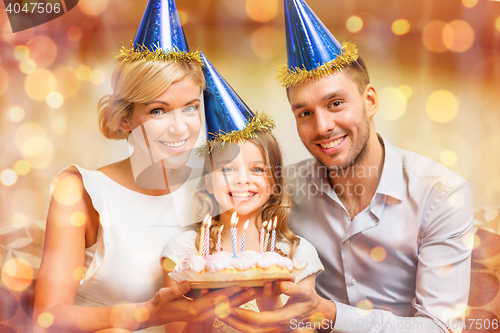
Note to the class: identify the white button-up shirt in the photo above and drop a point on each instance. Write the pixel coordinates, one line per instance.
(403, 263)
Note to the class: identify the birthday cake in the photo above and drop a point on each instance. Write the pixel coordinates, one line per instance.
(223, 266)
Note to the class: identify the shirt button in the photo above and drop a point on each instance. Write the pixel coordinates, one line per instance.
(353, 282)
(347, 241)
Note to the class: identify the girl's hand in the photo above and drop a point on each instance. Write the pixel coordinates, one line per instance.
(268, 297)
(168, 305)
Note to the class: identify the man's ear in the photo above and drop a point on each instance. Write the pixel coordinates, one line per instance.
(208, 184)
(371, 100)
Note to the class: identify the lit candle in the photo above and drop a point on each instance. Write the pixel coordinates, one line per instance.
(273, 238)
(234, 222)
(243, 237)
(206, 242)
(267, 235)
(262, 231)
(202, 234)
(219, 238)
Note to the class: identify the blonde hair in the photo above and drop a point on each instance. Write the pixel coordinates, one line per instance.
(140, 82)
(278, 205)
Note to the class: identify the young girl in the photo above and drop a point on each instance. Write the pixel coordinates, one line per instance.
(244, 178)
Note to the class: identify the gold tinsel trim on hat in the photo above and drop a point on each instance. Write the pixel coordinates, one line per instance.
(159, 54)
(260, 122)
(294, 77)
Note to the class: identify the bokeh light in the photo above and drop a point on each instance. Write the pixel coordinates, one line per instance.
(449, 158)
(487, 160)
(80, 273)
(266, 42)
(261, 10)
(183, 16)
(469, 3)
(27, 66)
(432, 36)
(83, 72)
(8, 177)
(406, 90)
(22, 167)
(222, 307)
(354, 24)
(378, 254)
(400, 27)
(59, 126)
(4, 81)
(45, 319)
(141, 314)
(497, 23)
(25, 132)
(34, 89)
(55, 100)
(93, 7)
(77, 219)
(74, 33)
(458, 36)
(365, 304)
(68, 190)
(42, 50)
(38, 151)
(442, 106)
(21, 52)
(19, 220)
(68, 82)
(97, 77)
(17, 274)
(17, 114)
(456, 200)
(394, 102)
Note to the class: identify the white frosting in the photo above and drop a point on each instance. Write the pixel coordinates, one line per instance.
(221, 260)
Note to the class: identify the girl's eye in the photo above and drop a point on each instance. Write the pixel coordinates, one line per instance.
(258, 170)
(157, 112)
(190, 109)
(226, 169)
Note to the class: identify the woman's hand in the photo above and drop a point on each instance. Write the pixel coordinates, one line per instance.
(268, 297)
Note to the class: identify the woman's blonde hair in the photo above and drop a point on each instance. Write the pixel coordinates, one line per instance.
(140, 82)
(278, 205)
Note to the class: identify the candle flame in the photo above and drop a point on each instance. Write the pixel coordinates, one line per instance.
(246, 225)
(269, 226)
(221, 228)
(234, 220)
(264, 224)
(205, 220)
(275, 222)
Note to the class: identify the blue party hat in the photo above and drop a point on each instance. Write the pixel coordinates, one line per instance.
(312, 50)
(228, 118)
(160, 36)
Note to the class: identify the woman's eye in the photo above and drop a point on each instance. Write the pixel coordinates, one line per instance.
(191, 109)
(157, 112)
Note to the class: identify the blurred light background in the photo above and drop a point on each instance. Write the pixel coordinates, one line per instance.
(436, 65)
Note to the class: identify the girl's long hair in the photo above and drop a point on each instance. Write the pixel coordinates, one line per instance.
(278, 205)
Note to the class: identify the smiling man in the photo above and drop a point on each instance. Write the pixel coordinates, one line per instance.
(391, 227)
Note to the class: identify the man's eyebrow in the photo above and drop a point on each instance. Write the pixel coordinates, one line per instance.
(327, 97)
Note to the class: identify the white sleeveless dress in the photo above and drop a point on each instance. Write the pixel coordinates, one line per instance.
(305, 262)
(123, 265)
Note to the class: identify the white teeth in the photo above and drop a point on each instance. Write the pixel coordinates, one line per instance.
(332, 144)
(241, 194)
(173, 144)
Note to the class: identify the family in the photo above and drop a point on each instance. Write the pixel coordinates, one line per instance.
(379, 235)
